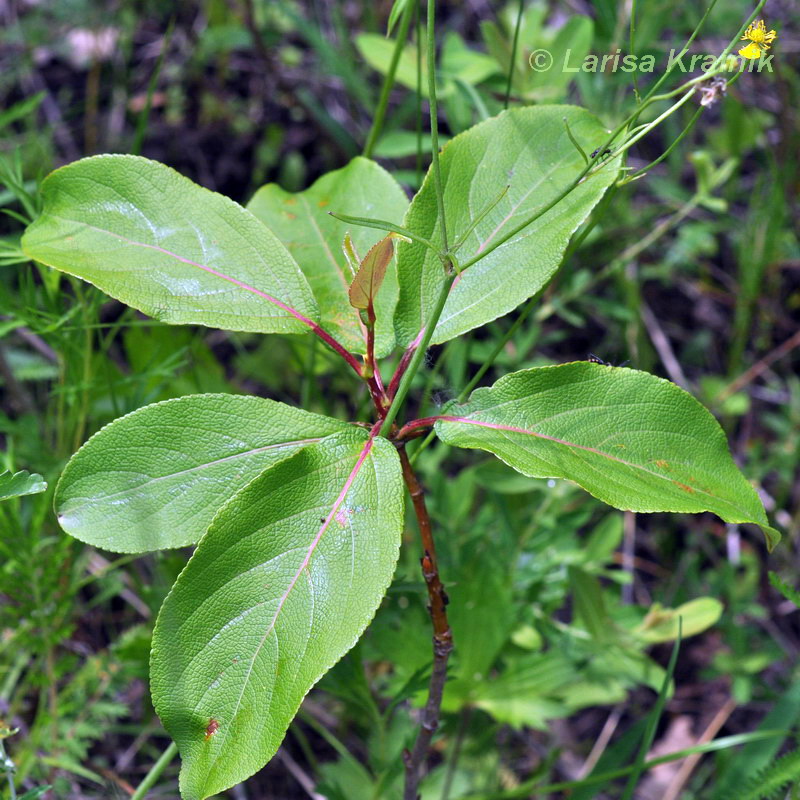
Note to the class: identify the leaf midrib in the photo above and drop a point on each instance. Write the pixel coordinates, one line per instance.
(362, 457)
(587, 448)
(158, 479)
(293, 312)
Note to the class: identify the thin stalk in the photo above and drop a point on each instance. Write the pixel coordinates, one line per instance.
(144, 114)
(408, 367)
(505, 339)
(631, 41)
(152, 777)
(656, 122)
(649, 99)
(513, 60)
(417, 357)
(660, 82)
(434, 110)
(388, 83)
(666, 153)
(442, 635)
(385, 225)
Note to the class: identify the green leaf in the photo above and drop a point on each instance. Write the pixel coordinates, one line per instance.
(146, 235)
(156, 477)
(314, 237)
(371, 274)
(288, 576)
(663, 624)
(398, 8)
(20, 483)
(458, 61)
(633, 440)
(528, 150)
(35, 793)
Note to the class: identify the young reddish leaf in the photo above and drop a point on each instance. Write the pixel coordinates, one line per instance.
(370, 275)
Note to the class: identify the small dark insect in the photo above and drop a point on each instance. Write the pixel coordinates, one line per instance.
(597, 152)
(213, 727)
(593, 359)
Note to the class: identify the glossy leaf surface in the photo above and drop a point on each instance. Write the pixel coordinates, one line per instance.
(150, 237)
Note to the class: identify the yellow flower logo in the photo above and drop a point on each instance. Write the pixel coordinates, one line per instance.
(759, 39)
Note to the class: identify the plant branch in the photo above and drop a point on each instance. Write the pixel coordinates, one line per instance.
(388, 83)
(434, 109)
(512, 64)
(155, 772)
(404, 382)
(374, 383)
(442, 636)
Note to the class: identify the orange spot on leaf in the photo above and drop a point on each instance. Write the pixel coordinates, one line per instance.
(661, 463)
(213, 727)
(684, 487)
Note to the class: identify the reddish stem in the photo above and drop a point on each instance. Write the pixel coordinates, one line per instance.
(442, 636)
(374, 382)
(413, 428)
(332, 343)
(401, 369)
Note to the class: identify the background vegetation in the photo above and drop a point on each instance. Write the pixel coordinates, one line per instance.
(563, 610)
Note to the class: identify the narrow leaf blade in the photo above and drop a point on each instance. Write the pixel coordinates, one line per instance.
(155, 478)
(633, 440)
(151, 238)
(289, 574)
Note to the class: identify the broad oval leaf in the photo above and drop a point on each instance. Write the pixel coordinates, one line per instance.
(151, 238)
(314, 237)
(633, 440)
(528, 151)
(155, 478)
(288, 576)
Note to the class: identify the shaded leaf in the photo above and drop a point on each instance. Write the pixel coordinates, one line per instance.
(314, 237)
(155, 478)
